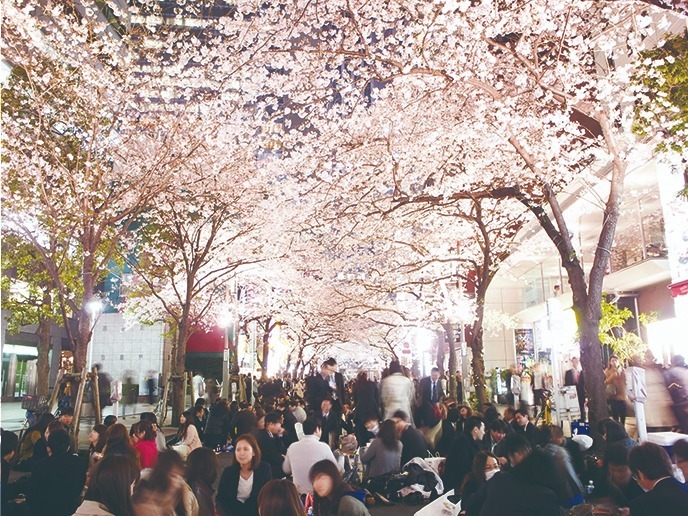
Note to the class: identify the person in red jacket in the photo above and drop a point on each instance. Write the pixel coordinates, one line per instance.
(148, 450)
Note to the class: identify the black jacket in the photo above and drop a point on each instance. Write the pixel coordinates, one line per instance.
(330, 425)
(530, 432)
(55, 485)
(668, 497)
(226, 498)
(367, 396)
(414, 445)
(271, 450)
(317, 389)
(532, 488)
(426, 390)
(460, 461)
(219, 420)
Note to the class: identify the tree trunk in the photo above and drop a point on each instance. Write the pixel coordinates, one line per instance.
(441, 353)
(43, 360)
(449, 332)
(475, 342)
(178, 367)
(83, 338)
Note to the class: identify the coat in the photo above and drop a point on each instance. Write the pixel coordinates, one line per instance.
(460, 460)
(367, 397)
(397, 393)
(317, 389)
(226, 498)
(425, 387)
(55, 485)
(667, 497)
(271, 451)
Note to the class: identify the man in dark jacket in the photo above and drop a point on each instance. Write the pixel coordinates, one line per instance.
(494, 440)
(56, 482)
(336, 381)
(522, 426)
(367, 399)
(330, 423)
(533, 487)
(652, 469)
(460, 457)
(270, 443)
(318, 388)
(413, 442)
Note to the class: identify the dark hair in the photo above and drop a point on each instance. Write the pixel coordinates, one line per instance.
(362, 376)
(394, 367)
(680, 449)
(118, 443)
(330, 362)
(8, 442)
(110, 484)
(469, 411)
(58, 442)
(110, 420)
(613, 431)
(498, 425)
(272, 418)
(330, 503)
(523, 412)
(453, 415)
(509, 410)
(477, 473)
(400, 414)
(388, 434)
(435, 370)
(66, 411)
(200, 402)
(54, 425)
(651, 460)
(311, 424)
(515, 443)
(159, 479)
(280, 498)
(190, 419)
(616, 454)
(42, 423)
(255, 461)
(146, 428)
(471, 423)
(101, 430)
(149, 416)
(201, 466)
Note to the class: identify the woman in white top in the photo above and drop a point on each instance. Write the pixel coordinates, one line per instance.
(187, 433)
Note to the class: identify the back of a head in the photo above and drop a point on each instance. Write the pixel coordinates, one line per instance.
(394, 367)
(680, 450)
(146, 428)
(651, 460)
(614, 431)
(9, 442)
(499, 425)
(58, 442)
(202, 466)
(149, 416)
(110, 484)
(388, 434)
(310, 425)
(110, 420)
(616, 454)
(280, 498)
(516, 444)
(272, 418)
(400, 414)
(43, 421)
(168, 462)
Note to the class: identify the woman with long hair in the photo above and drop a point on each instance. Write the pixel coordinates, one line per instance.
(237, 492)
(485, 466)
(164, 491)
(333, 496)
(187, 433)
(280, 498)
(384, 452)
(109, 488)
(25, 459)
(118, 443)
(201, 473)
(96, 439)
(148, 450)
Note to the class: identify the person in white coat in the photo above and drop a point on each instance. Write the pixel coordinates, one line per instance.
(198, 386)
(396, 391)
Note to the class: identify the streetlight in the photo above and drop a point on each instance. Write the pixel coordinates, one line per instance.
(224, 321)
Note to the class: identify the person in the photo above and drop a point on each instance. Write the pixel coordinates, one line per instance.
(622, 486)
(652, 470)
(96, 439)
(198, 386)
(244, 422)
(483, 468)
(330, 423)
(336, 381)
(270, 443)
(202, 416)
(613, 432)
(680, 451)
(318, 388)
(118, 443)
(25, 458)
(217, 427)
(150, 385)
(201, 473)
(9, 442)
(396, 392)
(298, 411)
(367, 401)
(431, 390)
(539, 384)
(463, 450)
(531, 487)
(574, 377)
(187, 433)
(449, 418)
(146, 447)
(302, 454)
(109, 488)
(494, 440)
(615, 381)
(40, 451)
(509, 415)
(552, 441)
(240, 483)
(104, 389)
(676, 379)
(163, 491)
(110, 420)
(521, 425)
(384, 453)
(412, 440)
(464, 413)
(56, 482)
(159, 435)
(280, 498)
(331, 495)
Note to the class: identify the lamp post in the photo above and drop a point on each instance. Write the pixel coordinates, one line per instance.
(224, 321)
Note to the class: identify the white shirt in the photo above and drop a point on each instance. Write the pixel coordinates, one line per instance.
(300, 458)
(245, 487)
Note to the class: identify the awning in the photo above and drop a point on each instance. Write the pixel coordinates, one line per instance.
(679, 289)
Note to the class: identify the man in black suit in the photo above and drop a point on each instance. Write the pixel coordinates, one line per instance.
(56, 482)
(463, 450)
(330, 423)
(493, 441)
(431, 393)
(522, 426)
(412, 440)
(652, 470)
(318, 388)
(367, 403)
(336, 382)
(270, 443)
(574, 376)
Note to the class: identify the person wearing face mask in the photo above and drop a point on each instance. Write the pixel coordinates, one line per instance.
(464, 448)
(652, 470)
(240, 484)
(485, 466)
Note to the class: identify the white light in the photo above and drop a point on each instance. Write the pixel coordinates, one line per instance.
(94, 306)
(224, 320)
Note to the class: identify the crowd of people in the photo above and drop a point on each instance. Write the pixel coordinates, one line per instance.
(326, 446)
